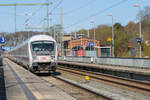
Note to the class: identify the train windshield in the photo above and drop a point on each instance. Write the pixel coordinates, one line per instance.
(43, 47)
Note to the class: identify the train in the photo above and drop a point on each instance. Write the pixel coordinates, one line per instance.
(38, 53)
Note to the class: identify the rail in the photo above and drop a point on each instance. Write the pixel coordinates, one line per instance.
(137, 86)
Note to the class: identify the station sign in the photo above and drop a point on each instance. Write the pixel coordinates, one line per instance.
(2, 49)
(90, 44)
(2, 40)
(139, 40)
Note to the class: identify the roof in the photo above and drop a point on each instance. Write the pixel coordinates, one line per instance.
(41, 37)
(35, 38)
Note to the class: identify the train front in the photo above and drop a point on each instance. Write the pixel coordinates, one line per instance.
(44, 56)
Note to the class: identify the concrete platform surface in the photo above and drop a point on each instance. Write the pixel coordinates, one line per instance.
(20, 84)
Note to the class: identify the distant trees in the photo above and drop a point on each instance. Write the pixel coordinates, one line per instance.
(13, 39)
(102, 33)
(121, 39)
(145, 14)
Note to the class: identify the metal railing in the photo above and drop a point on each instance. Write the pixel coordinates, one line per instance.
(129, 62)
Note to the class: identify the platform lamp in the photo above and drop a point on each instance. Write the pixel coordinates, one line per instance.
(92, 21)
(112, 37)
(140, 31)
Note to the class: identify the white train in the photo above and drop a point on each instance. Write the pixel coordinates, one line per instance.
(39, 53)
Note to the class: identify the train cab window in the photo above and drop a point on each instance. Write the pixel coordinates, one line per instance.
(43, 46)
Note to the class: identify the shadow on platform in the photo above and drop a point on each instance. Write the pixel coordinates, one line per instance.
(48, 74)
(2, 85)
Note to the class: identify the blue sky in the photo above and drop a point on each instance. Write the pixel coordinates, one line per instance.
(77, 13)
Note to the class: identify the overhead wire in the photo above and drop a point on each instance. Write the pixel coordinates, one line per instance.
(71, 11)
(76, 9)
(80, 7)
(54, 8)
(97, 13)
(34, 13)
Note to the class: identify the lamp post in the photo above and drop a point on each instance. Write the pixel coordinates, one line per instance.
(112, 37)
(92, 21)
(140, 31)
(71, 45)
(54, 33)
(89, 43)
(71, 42)
(81, 38)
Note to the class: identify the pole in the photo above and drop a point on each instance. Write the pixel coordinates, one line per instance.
(140, 32)
(15, 21)
(47, 18)
(81, 40)
(25, 4)
(15, 17)
(71, 42)
(89, 42)
(113, 55)
(62, 35)
(54, 32)
(44, 26)
(94, 39)
(88, 34)
(71, 45)
(94, 35)
(81, 44)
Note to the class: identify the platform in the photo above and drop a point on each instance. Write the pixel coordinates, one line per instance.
(122, 71)
(20, 84)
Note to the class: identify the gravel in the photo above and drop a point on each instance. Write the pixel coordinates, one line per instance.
(76, 92)
(111, 91)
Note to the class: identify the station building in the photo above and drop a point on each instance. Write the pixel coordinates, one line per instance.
(82, 47)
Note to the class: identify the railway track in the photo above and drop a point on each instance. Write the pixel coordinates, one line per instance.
(74, 90)
(133, 85)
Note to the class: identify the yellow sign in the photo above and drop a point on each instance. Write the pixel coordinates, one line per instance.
(109, 39)
(68, 46)
(87, 77)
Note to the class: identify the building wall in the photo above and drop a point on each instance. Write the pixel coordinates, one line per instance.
(66, 38)
(83, 42)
